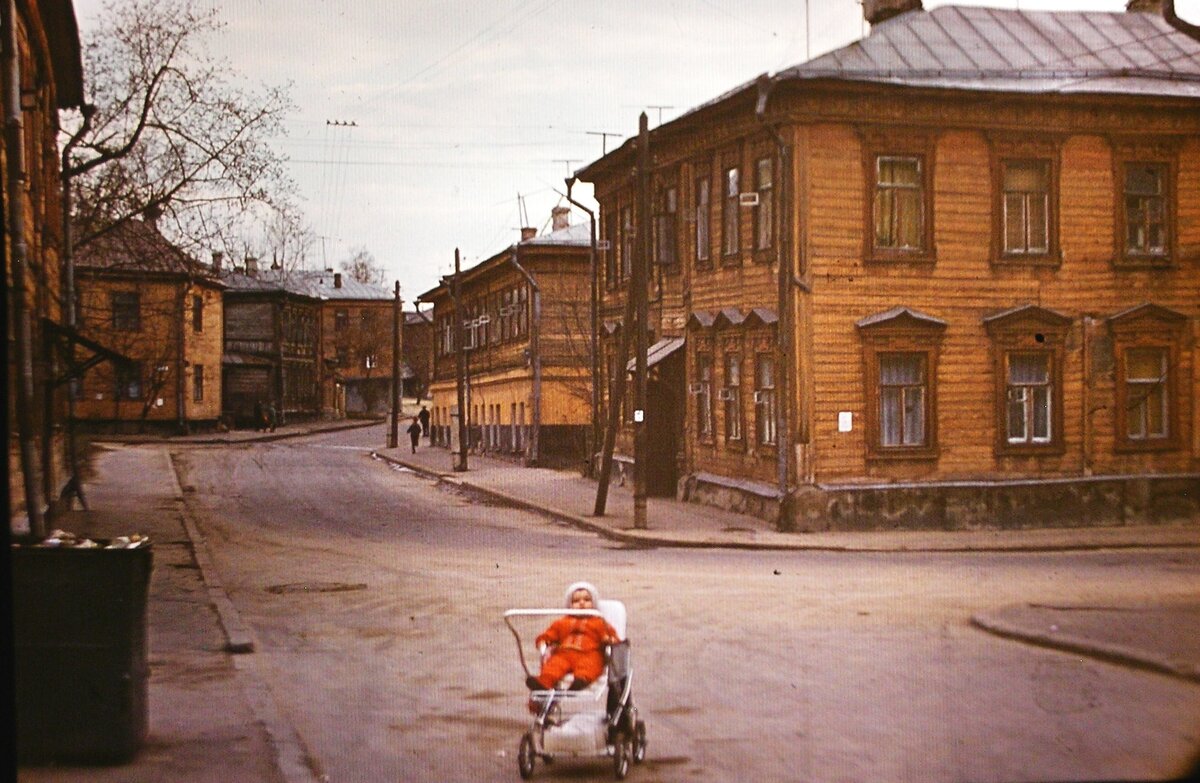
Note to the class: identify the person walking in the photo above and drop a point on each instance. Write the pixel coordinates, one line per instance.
(414, 433)
(424, 418)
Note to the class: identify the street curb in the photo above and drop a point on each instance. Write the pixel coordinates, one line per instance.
(183, 440)
(651, 539)
(1104, 651)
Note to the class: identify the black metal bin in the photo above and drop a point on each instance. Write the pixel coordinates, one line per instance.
(79, 621)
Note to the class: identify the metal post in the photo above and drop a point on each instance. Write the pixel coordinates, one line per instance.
(460, 361)
(641, 274)
(394, 434)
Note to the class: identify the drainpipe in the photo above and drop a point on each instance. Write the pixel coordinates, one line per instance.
(14, 143)
(1182, 26)
(594, 328)
(784, 341)
(533, 456)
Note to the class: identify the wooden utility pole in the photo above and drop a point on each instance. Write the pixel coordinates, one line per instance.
(461, 364)
(397, 395)
(641, 274)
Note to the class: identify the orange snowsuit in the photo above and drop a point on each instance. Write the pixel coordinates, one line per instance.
(579, 640)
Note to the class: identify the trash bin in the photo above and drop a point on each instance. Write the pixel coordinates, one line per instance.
(79, 621)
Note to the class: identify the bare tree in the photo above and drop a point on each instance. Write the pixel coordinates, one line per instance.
(363, 267)
(170, 128)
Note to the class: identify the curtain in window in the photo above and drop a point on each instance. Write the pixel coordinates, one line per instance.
(1026, 207)
(1145, 204)
(902, 400)
(898, 203)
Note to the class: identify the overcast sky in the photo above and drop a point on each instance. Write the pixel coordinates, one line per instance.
(461, 106)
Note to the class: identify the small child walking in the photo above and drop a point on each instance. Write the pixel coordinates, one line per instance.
(575, 643)
(414, 433)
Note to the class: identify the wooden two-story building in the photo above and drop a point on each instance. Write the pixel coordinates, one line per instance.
(946, 276)
(142, 296)
(525, 324)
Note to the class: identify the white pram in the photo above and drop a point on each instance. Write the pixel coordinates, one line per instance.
(597, 721)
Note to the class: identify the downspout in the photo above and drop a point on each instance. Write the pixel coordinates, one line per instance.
(15, 177)
(784, 293)
(535, 358)
(1190, 30)
(594, 328)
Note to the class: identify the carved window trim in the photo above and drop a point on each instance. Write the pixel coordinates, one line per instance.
(1031, 331)
(901, 335)
(880, 143)
(1007, 151)
(1159, 152)
(1153, 327)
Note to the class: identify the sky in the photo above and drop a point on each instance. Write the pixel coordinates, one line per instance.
(422, 126)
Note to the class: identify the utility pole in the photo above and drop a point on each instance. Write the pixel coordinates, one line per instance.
(461, 362)
(394, 435)
(593, 329)
(641, 273)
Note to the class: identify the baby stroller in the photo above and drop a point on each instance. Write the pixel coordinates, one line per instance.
(600, 720)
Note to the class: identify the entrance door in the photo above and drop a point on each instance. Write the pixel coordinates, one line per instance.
(664, 425)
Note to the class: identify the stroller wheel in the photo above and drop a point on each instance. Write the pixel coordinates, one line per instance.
(638, 751)
(621, 756)
(526, 757)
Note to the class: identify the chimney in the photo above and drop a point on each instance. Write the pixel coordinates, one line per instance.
(217, 257)
(251, 266)
(337, 279)
(560, 217)
(528, 233)
(1150, 6)
(151, 214)
(876, 11)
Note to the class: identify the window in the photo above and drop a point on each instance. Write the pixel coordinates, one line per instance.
(764, 399)
(665, 251)
(197, 313)
(730, 241)
(1029, 344)
(732, 396)
(703, 213)
(1145, 391)
(703, 388)
(899, 203)
(1026, 207)
(197, 382)
(1146, 349)
(627, 242)
(126, 311)
(1029, 398)
(129, 381)
(1145, 198)
(610, 253)
(900, 351)
(764, 215)
(903, 393)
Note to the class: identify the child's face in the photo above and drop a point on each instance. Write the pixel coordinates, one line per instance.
(581, 599)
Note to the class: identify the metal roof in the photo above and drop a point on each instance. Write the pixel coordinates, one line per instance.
(657, 352)
(578, 234)
(990, 49)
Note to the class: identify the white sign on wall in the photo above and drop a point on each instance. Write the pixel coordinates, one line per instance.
(845, 421)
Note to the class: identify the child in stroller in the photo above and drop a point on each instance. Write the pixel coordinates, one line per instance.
(591, 711)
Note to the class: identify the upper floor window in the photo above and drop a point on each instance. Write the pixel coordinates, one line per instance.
(899, 203)
(627, 242)
(764, 214)
(666, 206)
(1026, 207)
(1145, 209)
(197, 313)
(703, 214)
(730, 217)
(126, 311)
(610, 252)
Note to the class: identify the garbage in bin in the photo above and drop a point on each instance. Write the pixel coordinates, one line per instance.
(79, 621)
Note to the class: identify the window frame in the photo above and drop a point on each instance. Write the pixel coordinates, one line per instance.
(1009, 149)
(921, 145)
(126, 314)
(1147, 326)
(127, 375)
(1029, 330)
(731, 214)
(906, 335)
(198, 313)
(702, 219)
(705, 419)
(735, 425)
(666, 228)
(197, 383)
(764, 213)
(1160, 154)
(764, 409)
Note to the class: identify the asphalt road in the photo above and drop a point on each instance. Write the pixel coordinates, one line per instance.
(377, 598)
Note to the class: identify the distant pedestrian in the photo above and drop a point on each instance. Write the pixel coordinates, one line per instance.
(424, 417)
(272, 416)
(414, 433)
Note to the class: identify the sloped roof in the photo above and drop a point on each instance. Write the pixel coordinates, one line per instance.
(975, 48)
(578, 234)
(318, 284)
(137, 246)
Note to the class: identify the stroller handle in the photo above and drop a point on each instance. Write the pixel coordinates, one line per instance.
(511, 613)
